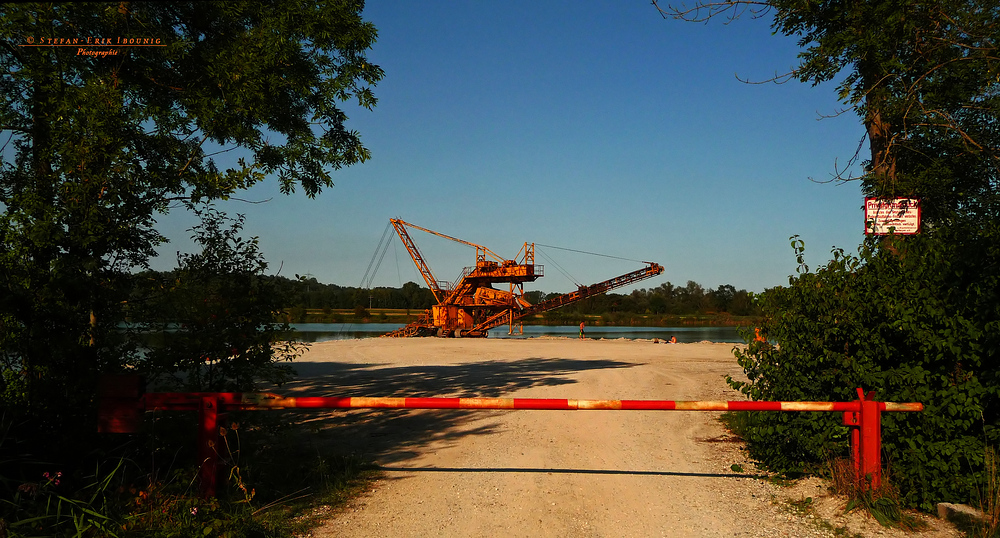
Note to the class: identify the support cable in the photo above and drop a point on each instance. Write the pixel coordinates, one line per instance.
(383, 245)
(395, 255)
(379, 264)
(591, 253)
(559, 267)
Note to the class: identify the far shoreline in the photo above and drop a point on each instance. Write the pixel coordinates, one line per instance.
(550, 319)
(319, 332)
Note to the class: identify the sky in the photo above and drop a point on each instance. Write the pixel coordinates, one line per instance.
(596, 126)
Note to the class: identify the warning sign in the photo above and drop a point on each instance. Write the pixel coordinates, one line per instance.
(894, 215)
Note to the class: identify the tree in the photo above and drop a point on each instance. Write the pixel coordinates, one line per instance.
(97, 147)
(923, 76)
(722, 297)
(692, 298)
(215, 315)
(914, 318)
(742, 304)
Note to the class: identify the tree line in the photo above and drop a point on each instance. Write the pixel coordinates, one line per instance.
(306, 292)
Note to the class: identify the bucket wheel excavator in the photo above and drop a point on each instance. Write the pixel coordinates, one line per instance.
(471, 306)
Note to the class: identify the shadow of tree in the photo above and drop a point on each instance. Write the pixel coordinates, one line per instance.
(395, 435)
(556, 470)
(477, 379)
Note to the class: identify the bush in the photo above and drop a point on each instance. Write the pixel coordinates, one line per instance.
(915, 319)
(214, 315)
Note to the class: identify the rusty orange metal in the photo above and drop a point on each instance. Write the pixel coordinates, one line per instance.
(472, 306)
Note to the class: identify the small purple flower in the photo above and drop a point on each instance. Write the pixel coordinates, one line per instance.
(194, 510)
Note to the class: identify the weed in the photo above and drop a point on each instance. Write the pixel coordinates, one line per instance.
(272, 489)
(804, 507)
(989, 499)
(42, 508)
(801, 506)
(881, 503)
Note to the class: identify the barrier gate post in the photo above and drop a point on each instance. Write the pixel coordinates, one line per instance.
(866, 439)
(208, 442)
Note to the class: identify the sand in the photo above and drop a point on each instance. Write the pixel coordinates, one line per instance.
(551, 473)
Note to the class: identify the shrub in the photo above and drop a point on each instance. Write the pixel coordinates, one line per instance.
(915, 319)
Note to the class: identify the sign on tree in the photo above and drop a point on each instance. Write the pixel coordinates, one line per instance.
(895, 215)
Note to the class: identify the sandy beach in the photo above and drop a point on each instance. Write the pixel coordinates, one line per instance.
(550, 473)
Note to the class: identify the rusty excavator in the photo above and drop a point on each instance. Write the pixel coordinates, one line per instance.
(472, 306)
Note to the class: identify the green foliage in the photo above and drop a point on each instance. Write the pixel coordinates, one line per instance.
(42, 508)
(914, 319)
(274, 476)
(663, 304)
(215, 314)
(924, 78)
(232, 74)
(307, 293)
(989, 498)
(96, 148)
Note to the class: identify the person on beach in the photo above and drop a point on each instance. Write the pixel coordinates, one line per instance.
(673, 339)
(581, 330)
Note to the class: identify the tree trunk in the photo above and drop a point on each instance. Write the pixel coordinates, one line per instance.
(882, 181)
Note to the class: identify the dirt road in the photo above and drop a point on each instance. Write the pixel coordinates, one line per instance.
(547, 473)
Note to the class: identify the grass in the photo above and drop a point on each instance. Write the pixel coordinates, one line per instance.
(881, 503)
(989, 499)
(277, 482)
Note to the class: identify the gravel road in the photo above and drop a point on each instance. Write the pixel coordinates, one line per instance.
(555, 473)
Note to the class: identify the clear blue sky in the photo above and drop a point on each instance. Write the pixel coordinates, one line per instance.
(596, 126)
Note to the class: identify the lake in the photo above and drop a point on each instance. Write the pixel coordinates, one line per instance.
(320, 332)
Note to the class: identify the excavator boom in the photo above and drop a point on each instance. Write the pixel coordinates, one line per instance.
(411, 247)
(653, 269)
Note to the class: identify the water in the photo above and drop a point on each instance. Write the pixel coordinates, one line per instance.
(321, 332)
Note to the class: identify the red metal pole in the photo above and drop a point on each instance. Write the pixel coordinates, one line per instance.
(208, 440)
(856, 453)
(871, 441)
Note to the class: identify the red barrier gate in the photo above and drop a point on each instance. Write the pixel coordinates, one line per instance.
(122, 404)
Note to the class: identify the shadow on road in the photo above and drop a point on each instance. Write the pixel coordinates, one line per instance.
(563, 471)
(477, 379)
(393, 435)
